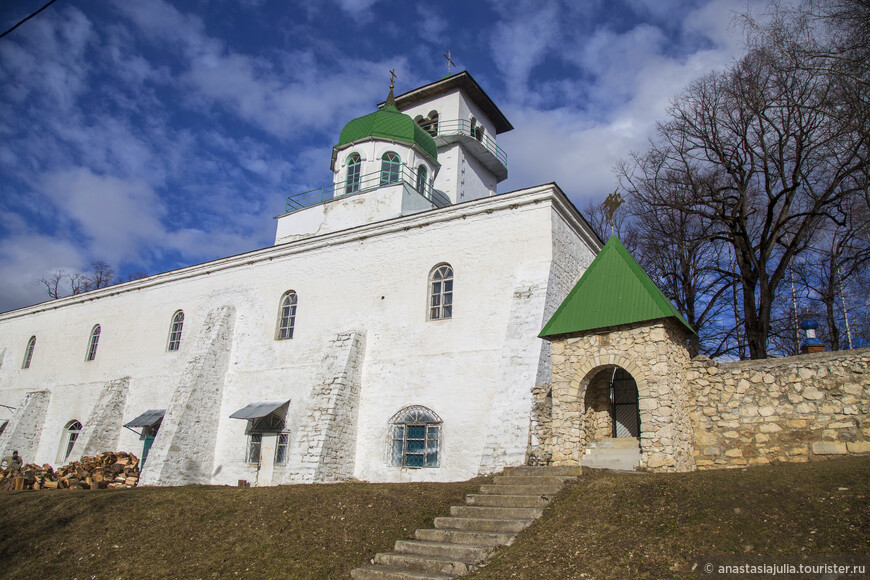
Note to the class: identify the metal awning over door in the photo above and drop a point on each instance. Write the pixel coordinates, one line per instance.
(258, 409)
(147, 419)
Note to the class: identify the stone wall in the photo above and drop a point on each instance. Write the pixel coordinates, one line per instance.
(780, 410)
(23, 431)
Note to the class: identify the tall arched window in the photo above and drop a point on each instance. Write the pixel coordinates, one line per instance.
(416, 437)
(175, 331)
(93, 343)
(71, 432)
(287, 315)
(391, 167)
(354, 163)
(441, 292)
(28, 352)
(421, 179)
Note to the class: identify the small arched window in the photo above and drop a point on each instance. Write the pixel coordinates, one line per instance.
(391, 167)
(71, 433)
(28, 353)
(175, 331)
(354, 163)
(421, 179)
(441, 292)
(416, 437)
(93, 343)
(287, 315)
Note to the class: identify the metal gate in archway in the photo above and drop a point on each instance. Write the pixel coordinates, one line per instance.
(624, 404)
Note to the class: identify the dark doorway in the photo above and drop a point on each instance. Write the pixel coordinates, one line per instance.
(624, 398)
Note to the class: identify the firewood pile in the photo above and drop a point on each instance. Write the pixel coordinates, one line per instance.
(105, 471)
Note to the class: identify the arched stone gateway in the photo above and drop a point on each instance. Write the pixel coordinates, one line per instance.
(630, 342)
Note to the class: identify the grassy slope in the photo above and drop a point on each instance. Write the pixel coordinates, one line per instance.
(603, 526)
(302, 531)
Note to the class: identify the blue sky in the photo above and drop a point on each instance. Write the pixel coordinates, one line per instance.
(155, 134)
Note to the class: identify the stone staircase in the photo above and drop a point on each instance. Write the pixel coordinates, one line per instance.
(622, 454)
(467, 537)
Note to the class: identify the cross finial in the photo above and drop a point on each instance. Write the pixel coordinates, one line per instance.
(392, 78)
(449, 61)
(611, 204)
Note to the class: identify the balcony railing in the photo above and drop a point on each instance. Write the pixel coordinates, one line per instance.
(464, 127)
(369, 182)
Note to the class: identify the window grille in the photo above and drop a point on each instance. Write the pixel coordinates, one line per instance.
(416, 438)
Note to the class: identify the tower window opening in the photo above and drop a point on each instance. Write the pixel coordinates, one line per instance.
(354, 163)
(391, 167)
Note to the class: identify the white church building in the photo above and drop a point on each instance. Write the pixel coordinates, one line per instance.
(389, 334)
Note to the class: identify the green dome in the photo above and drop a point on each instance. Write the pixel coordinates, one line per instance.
(388, 123)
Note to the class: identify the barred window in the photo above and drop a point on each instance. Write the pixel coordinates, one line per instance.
(28, 353)
(287, 315)
(93, 343)
(441, 292)
(175, 331)
(269, 424)
(416, 437)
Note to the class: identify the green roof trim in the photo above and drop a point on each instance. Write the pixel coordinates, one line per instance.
(388, 123)
(614, 290)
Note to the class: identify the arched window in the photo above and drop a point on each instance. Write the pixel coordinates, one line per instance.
(441, 292)
(175, 331)
(71, 432)
(416, 437)
(421, 179)
(287, 316)
(354, 163)
(93, 343)
(391, 167)
(28, 352)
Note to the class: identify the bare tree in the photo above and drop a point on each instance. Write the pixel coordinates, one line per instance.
(103, 275)
(52, 283)
(756, 153)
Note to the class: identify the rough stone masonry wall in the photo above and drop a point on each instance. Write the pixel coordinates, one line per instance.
(327, 440)
(24, 428)
(780, 410)
(652, 352)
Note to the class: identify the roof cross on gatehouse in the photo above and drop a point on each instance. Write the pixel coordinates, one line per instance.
(449, 62)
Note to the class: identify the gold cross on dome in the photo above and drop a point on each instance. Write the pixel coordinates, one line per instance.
(392, 78)
(449, 61)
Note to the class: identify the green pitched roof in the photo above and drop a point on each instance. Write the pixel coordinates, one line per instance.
(388, 123)
(614, 290)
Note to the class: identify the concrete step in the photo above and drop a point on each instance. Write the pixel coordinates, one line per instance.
(540, 490)
(436, 564)
(482, 524)
(547, 470)
(615, 443)
(529, 480)
(506, 500)
(377, 572)
(473, 511)
(474, 537)
(464, 552)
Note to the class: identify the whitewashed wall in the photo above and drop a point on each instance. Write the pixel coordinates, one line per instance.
(371, 279)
